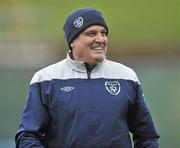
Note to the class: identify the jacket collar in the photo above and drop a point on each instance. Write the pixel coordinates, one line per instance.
(79, 65)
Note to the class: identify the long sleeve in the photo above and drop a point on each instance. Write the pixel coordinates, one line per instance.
(34, 120)
(141, 123)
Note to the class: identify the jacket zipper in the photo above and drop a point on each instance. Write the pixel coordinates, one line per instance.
(92, 108)
(89, 74)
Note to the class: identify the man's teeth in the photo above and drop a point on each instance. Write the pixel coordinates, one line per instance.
(97, 48)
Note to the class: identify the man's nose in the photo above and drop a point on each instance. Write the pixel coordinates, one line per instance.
(99, 38)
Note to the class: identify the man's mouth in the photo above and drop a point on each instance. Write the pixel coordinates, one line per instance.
(97, 48)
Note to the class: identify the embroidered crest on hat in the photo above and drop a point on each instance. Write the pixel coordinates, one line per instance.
(113, 87)
(78, 22)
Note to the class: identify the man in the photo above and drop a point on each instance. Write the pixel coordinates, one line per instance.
(85, 100)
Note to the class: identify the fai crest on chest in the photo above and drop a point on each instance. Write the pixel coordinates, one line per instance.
(113, 87)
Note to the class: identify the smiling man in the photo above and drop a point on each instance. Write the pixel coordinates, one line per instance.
(91, 45)
(85, 100)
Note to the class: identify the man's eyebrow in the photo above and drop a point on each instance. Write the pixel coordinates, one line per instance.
(103, 30)
(89, 31)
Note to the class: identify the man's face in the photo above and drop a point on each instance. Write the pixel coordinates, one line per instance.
(91, 45)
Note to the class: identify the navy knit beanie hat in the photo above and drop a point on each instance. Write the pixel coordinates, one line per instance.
(81, 19)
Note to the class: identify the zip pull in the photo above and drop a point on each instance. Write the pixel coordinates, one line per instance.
(89, 74)
(89, 68)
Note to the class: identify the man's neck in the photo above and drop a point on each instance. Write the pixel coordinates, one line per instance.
(89, 67)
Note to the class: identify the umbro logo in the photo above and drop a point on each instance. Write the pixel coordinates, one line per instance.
(67, 88)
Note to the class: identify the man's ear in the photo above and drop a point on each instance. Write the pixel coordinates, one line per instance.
(72, 45)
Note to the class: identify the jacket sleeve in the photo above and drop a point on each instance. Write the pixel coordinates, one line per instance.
(140, 122)
(34, 120)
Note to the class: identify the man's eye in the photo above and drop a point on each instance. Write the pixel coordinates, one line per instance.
(104, 33)
(91, 34)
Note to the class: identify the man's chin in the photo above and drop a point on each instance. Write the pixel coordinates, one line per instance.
(99, 59)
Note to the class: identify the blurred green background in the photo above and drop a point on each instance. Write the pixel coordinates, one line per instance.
(144, 34)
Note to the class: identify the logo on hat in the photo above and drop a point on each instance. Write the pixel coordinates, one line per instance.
(78, 22)
(113, 87)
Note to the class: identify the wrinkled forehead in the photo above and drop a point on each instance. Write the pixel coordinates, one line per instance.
(95, 28)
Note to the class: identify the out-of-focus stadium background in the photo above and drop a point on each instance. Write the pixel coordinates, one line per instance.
(144, 34)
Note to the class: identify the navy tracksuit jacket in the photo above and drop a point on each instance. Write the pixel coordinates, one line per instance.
(68, 108)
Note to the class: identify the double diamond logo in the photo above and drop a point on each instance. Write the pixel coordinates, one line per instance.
(67, 88)
(113, 87)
